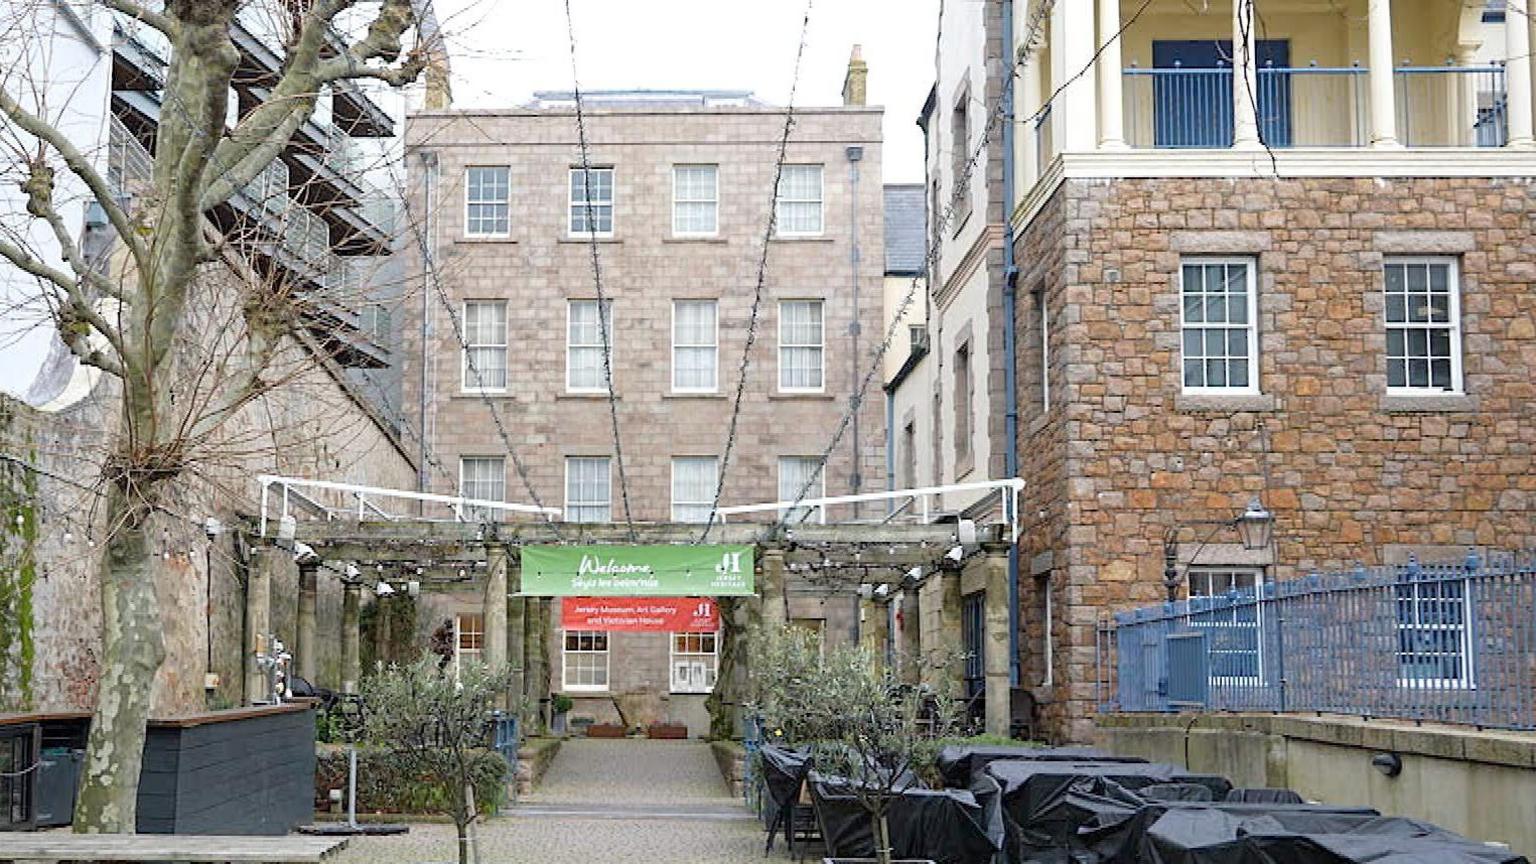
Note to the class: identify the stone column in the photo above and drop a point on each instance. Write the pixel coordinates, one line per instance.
(1383, 88)
(258, 618)
(516, 633)
(307, 650)
(494, 606)
(1111, 88)
(351, 636)
(910, 631)
(775, 600)
(995, 661)
(874, 628)
(1245, 78)
(531, 647)
(1074, 119)
(1517, 72)
(951, 638)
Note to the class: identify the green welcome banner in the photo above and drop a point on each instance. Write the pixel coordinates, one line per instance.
(637, 571)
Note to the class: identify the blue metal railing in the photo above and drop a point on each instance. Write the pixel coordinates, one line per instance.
(505, 737)
(1448, 642)
(1314, 106)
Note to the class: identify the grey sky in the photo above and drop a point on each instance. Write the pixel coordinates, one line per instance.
(503, 50)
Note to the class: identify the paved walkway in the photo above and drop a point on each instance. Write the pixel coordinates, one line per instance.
(639, 802)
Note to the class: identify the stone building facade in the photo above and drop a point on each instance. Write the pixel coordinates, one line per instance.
(681, 190)
(1362, 366)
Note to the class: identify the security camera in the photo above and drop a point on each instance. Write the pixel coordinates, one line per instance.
(212, 527)
(883, 590)
(956, 553)
(383, 589)
(304, 553)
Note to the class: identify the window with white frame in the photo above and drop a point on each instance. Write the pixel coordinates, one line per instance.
(794, 473)
(591, 199)
(468, 639)
(487, 194)
(695, 661)
(694, 480)
(483, 478)
(584, 660)
(485, 345)
(1423, 326)
(1432, 630)
(1220, 336)
(1224, 604)
(801, 338)
(588, 489)
(584, 346)
(695, 200)
(798, 203)
(695, 346)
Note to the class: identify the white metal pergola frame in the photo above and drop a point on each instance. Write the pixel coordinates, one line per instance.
(923, 495)
(291, 486)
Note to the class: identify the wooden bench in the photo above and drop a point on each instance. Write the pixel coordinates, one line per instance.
(210, 848)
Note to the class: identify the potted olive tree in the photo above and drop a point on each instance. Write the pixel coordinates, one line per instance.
(434, 724)
(871, 738)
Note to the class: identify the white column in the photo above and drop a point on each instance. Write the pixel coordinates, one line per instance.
(1026, 103)
(1074, 119)
(1383, 88)
(1111, 88)
(1517, 72)
(1245, 78)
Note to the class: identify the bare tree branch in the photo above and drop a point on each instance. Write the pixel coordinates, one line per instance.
(39, 189)
(144, 14)
(45, 132)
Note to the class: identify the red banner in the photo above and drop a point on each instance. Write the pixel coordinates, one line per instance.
(646, 614)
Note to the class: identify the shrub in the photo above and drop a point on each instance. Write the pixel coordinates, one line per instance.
(385, 786)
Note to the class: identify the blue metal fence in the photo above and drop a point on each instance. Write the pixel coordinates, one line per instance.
(505, 738)
(1453, 643)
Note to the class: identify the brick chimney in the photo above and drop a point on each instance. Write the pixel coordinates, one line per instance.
(858, 75)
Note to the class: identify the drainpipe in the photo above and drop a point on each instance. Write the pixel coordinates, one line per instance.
(890, 447)
(1010, 377)
(429, 183)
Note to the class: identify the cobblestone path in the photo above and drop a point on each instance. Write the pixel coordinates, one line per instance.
(631, 801)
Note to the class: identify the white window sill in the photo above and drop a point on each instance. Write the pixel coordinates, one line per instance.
(693, 394)
(587, 239)
(807, 395)
(691, 692)
(1408, 402)
(482, 391)
(584, 690)
(485, 238)
(802, 238)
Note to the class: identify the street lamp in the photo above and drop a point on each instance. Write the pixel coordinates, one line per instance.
(1255, 526)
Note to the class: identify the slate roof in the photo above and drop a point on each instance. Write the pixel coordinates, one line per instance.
(905, 231)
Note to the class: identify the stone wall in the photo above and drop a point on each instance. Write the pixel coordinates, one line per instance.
(1475, 782)
(1349, 472)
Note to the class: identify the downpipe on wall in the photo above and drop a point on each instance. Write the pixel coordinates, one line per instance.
(1010, 376)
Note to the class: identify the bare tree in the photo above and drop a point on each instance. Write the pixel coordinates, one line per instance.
(127, 320)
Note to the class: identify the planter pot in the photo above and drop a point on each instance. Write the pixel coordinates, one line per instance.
(558, 726)
(606, 730)
(667, 731)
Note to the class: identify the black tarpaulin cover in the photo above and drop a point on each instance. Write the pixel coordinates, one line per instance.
(948, 826)
(958, 763)
(1283, 834)
(1044, 803)
(784, 769)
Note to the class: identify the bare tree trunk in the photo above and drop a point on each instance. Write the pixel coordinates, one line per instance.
(133, 649)
(882, 839)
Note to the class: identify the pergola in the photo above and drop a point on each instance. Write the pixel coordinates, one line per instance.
(836, 558)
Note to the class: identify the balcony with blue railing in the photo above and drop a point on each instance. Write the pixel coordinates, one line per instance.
(1314, 106)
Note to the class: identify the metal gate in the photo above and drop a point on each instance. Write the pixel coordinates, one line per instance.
(973, 630)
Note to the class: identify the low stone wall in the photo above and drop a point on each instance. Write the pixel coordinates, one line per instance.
(533, 759)
(1477, 782)
(732, 759)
